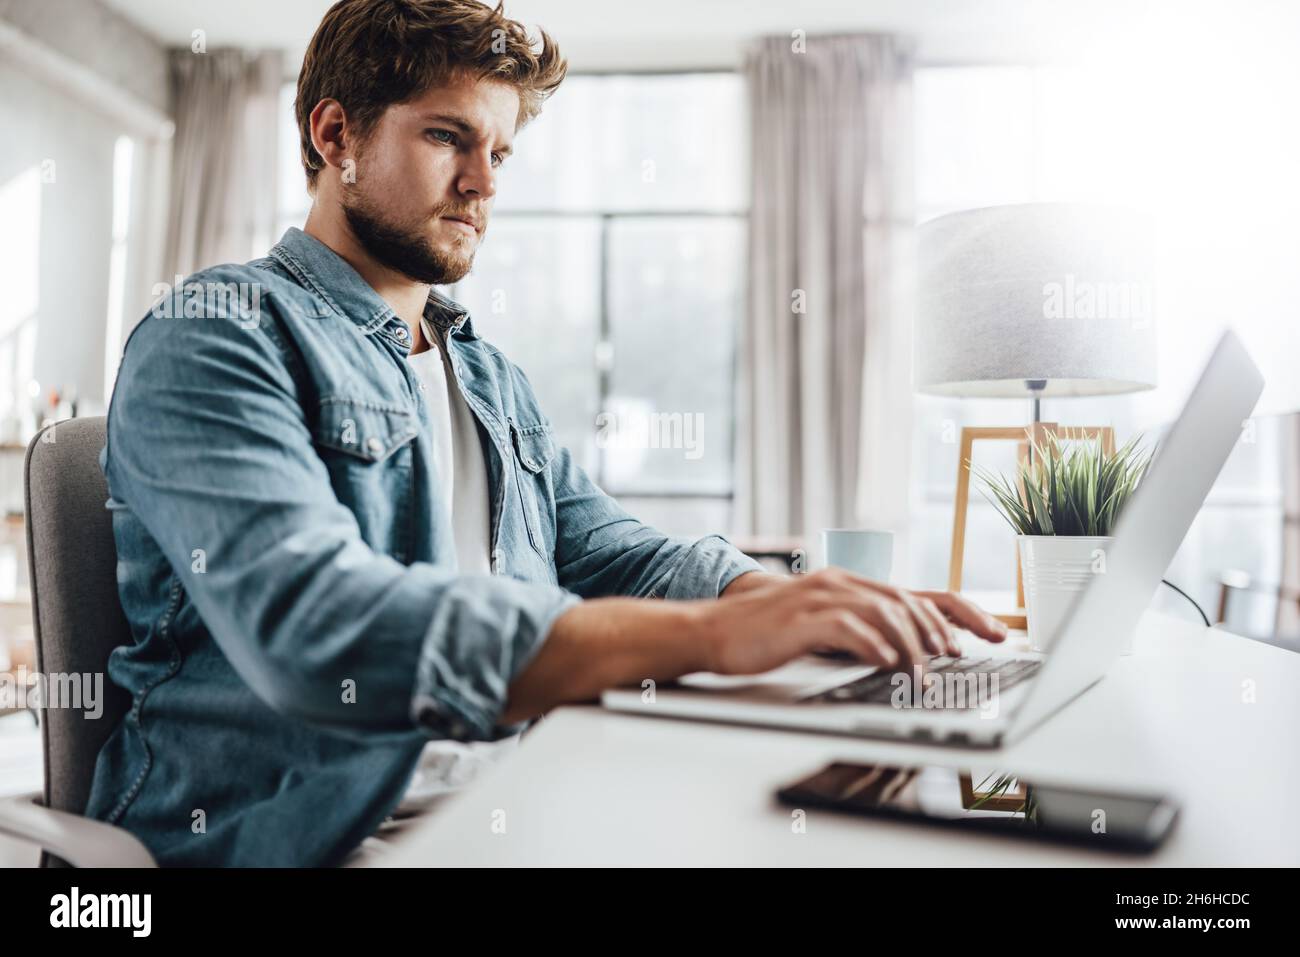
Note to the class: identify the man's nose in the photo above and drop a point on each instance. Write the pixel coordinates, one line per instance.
(477, 177)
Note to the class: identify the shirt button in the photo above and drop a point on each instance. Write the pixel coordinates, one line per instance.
(421, 386)
(402, 333)
(374, 446)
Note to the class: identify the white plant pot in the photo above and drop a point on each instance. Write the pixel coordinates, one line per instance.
(1056, 569)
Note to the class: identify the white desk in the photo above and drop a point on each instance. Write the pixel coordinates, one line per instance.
(590, 787)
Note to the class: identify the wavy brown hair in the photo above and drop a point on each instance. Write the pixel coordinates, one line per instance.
(370, 54)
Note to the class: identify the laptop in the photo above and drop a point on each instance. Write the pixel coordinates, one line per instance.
(1011, 693)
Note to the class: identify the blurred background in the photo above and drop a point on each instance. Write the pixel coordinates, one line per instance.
(701, 251)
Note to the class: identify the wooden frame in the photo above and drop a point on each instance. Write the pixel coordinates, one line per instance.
(969, 436)
(1013, 799)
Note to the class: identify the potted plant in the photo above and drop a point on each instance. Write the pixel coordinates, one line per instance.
(1063, 506)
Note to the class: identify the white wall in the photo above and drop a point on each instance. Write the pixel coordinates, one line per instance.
(74, 76)
(47, 127)
(99, 39)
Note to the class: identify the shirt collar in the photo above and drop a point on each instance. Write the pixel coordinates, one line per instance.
(331, 277)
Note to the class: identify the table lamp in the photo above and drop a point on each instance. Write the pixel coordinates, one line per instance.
(1030, 301)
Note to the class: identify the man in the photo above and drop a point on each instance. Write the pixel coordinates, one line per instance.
(343, 527)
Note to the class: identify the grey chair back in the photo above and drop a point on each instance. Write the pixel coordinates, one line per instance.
(78, 618)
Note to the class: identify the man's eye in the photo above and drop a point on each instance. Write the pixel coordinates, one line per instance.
(443, 136)
(497, 159)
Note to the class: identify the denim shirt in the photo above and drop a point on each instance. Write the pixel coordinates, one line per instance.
(299, 627)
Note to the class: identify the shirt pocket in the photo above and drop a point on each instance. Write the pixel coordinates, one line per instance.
(368, 448)
(369, 431)
(534, 449)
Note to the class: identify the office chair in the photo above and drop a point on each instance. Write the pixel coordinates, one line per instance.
(1238, 583)
(78, 620)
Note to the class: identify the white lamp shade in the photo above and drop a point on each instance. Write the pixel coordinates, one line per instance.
(1054, 292)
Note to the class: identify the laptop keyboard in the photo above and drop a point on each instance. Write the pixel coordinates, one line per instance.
(879, 688)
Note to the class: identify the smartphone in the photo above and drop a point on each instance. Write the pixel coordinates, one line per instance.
(988, 801)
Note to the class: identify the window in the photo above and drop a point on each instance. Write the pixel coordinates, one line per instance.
(992, 135)
(291, 181)
(612, 273)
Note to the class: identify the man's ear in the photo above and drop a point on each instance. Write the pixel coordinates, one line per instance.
(330, 133)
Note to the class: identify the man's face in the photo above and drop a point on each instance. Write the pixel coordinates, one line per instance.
(426, 175)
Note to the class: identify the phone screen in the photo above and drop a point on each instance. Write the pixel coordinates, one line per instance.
(989, 801)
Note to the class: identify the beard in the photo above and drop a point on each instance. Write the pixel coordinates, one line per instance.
(407, 248)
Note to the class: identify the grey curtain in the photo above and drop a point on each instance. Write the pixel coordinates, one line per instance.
(223, 197)
(823, 418)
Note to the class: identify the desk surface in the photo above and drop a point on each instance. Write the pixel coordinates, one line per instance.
(591, 787)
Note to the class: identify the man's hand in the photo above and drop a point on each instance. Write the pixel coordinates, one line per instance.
(775, 619)
(761, 622)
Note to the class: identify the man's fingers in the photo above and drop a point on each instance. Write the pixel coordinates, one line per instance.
(844, 631)
(902, 617)
(917, 623)
(939, 636)
(934, 632)
(896, 624)
(966, 614)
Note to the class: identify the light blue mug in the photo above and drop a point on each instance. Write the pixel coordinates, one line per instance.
(864, 552)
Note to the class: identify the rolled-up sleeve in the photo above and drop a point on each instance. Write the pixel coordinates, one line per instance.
(208, 446)
(708, 566)
(482, 634)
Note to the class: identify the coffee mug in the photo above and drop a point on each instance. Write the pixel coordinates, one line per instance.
(864, 552)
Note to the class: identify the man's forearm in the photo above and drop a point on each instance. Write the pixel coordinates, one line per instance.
(773, 619)
(750, 581)
(606, 642)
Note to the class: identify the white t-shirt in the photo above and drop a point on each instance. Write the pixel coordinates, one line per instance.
(462, 476)
(458, 457)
